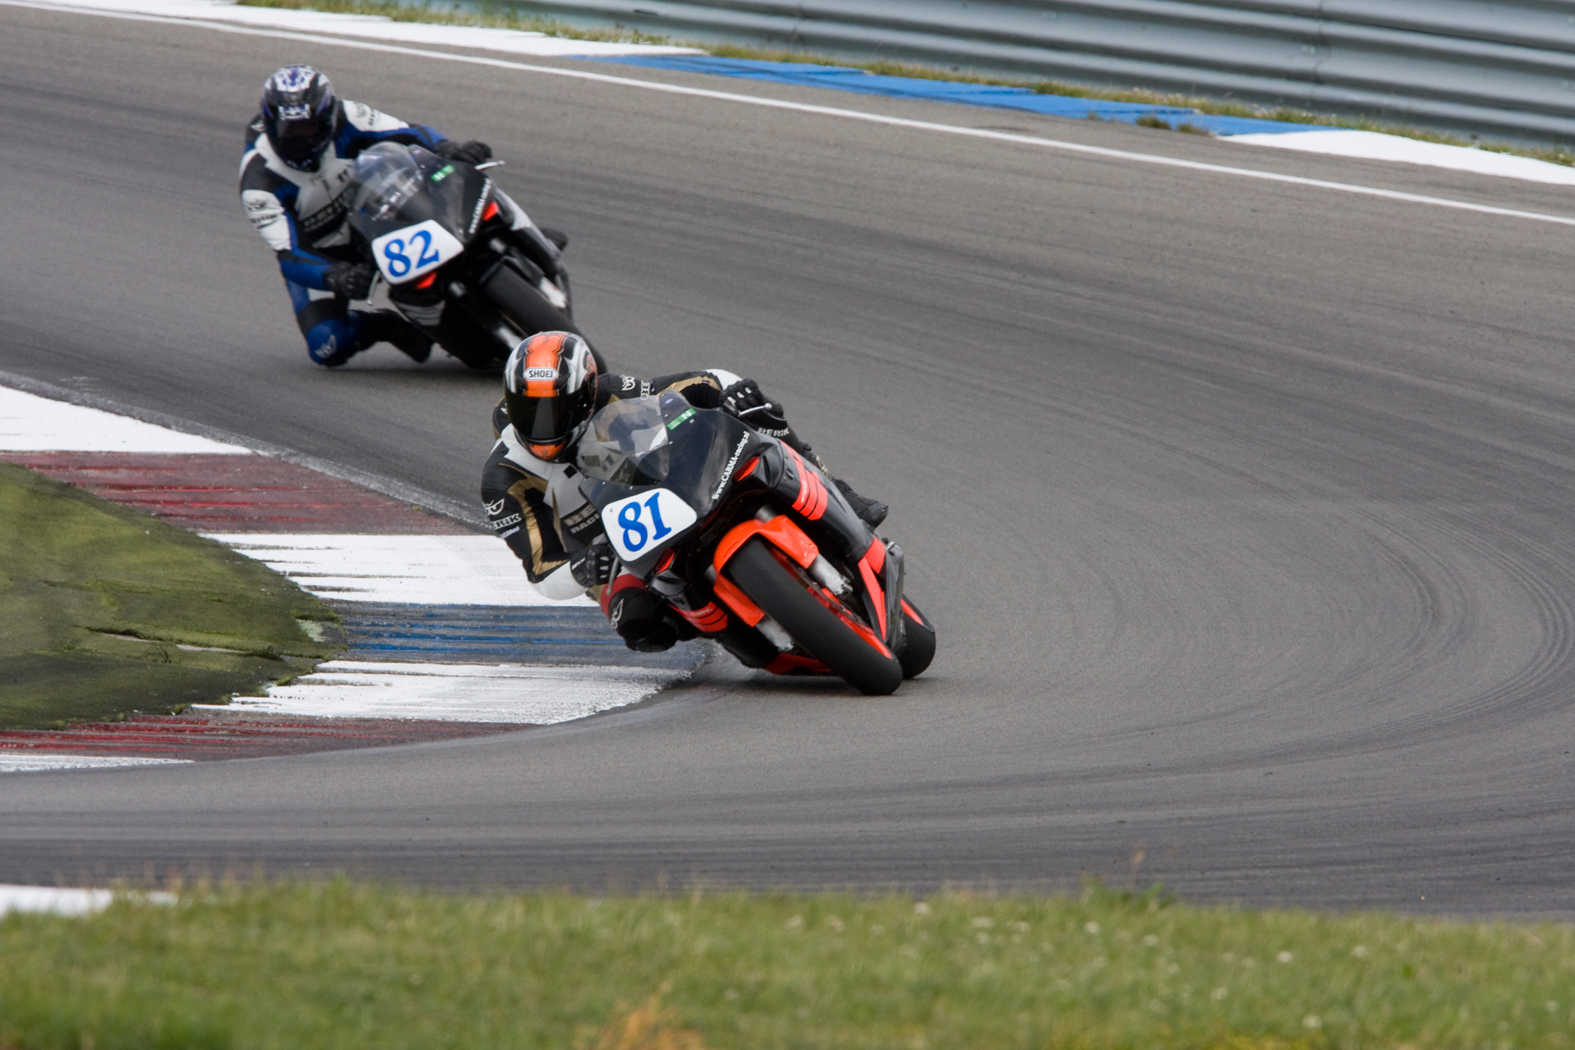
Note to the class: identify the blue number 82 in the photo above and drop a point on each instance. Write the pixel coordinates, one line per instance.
(398, 261)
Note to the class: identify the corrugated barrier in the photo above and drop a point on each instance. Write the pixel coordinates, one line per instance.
(1506, 68)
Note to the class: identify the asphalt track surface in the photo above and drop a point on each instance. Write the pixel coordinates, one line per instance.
(1244, 508)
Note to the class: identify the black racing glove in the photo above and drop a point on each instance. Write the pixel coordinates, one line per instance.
(744, 401)
(350, 280)
(592, 565)
(643, 621)
(471, 152)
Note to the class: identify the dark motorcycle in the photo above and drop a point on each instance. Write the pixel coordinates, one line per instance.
(454, 263)
(751, 544)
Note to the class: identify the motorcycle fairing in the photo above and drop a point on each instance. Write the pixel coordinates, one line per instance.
(697, 457)
(399, 187)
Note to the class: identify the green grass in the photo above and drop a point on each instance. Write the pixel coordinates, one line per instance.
(334, 965)
(503, 16)
(104, 611)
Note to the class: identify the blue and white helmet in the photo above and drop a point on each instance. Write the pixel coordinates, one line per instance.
(300, 115)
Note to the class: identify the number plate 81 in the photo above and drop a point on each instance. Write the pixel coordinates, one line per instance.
(641, 524)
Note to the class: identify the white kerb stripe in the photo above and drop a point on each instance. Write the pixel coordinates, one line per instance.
(1371, 145)
(421, 570)
(507, 693)
(833, 111)
(34, 762)
(29, 423)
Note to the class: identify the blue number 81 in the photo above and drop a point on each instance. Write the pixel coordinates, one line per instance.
(634, 531)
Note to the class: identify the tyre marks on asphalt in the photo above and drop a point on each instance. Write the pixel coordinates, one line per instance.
(445, 638)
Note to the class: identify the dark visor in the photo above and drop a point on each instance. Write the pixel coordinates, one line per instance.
(299, 138)
(549, 418)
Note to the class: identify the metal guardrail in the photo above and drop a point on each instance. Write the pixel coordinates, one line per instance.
(1503, 68)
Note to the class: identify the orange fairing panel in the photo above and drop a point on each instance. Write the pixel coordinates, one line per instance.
(793, 663)
(812, 495)
(870, 565)
(709, 619)
(738, 601)
(780, 532)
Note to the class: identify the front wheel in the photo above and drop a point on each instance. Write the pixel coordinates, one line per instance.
(529, 309)
(835, 640)
(919, 646)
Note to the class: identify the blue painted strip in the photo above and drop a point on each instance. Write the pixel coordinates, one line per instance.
(489, 634)
(992, 96)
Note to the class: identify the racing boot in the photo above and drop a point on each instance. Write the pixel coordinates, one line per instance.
(385, 326)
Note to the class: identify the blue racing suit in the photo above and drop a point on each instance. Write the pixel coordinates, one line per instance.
(301, 214)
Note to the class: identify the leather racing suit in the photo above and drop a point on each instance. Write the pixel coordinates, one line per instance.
(301, 214)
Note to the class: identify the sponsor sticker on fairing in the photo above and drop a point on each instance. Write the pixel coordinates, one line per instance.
(535, 374)
(727, 471)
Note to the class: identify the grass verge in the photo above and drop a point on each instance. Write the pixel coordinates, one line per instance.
(504, 17)
(104, 611)
(338, 964)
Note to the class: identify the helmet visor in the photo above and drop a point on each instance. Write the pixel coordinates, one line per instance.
(300, 139)
(547, 420)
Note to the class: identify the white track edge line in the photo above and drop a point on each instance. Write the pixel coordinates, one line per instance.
(829, 111)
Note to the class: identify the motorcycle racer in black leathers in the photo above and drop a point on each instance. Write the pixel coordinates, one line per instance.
(530, 486)
(296, 183)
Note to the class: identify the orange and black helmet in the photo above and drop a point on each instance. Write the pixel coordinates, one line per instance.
(549, 391)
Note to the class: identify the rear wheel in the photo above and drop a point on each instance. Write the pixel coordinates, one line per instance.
(828, 637)
(529, 309)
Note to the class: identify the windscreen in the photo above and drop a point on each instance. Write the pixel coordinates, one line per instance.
(386, 176)
(409, 184)
(627, 440)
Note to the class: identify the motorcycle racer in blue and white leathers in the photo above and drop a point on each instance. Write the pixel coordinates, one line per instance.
(296, 183)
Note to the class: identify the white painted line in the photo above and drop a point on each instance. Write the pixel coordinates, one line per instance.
(33, 762)
(72, 903)
(49, 900)
(509, 693)
(375, 27)
(1371, 145)
(420, 570)
(832, 111)
(29, 423)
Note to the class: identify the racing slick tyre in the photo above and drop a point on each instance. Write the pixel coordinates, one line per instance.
(919, 649)
(529, 309)
(819, 631)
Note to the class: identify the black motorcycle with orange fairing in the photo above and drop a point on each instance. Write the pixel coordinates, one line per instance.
(748, 542)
